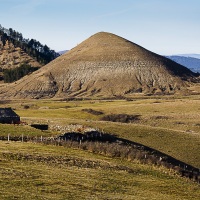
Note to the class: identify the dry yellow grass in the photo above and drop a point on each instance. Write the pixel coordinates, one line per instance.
(169, 124)
(33, 171)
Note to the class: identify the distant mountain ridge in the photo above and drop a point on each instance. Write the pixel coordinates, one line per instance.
(62, 52)
(193, 63)
(189, 55)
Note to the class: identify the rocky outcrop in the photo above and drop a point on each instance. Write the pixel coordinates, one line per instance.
(104, 65)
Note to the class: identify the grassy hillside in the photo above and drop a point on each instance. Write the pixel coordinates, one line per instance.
(42, 53)
(34, 171)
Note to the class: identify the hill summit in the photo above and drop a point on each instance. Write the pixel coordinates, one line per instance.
(104, 65)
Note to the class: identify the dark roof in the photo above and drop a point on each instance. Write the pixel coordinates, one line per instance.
(7, 112)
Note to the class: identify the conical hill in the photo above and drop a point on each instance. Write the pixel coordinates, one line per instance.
(104, 65)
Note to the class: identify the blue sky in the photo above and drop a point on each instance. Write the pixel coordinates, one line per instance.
(163, 26)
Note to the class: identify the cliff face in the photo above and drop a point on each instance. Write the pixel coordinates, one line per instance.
(11, 57)
(104, 65)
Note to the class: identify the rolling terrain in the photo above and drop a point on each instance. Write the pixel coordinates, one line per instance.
(36, 171)
(161, 123)
(104, 65)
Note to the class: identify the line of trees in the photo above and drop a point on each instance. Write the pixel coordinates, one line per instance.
(11, 75)
(42, 53)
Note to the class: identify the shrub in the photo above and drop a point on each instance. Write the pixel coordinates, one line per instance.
(91, 111)
(124, 118)
(132, 155)
(26, 106)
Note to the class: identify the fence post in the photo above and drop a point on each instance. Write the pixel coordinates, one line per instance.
(41, 138)
(22, 138)
(8, 137)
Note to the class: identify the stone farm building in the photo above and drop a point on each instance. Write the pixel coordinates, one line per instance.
(8, 116)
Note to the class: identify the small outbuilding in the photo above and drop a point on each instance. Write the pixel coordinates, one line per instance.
(8, 116)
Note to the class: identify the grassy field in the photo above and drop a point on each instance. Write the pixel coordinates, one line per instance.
(169, 124)
(34, 171)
